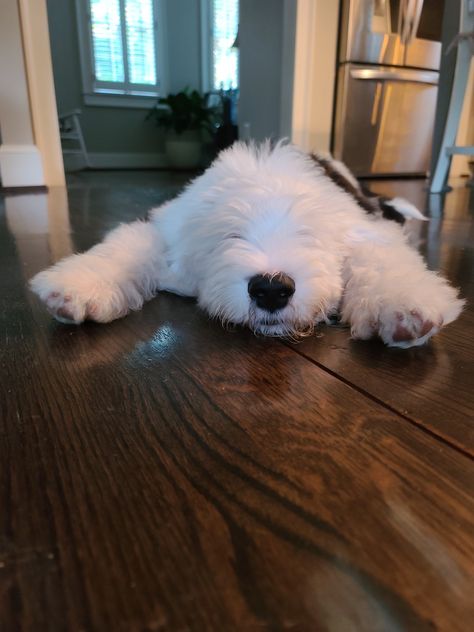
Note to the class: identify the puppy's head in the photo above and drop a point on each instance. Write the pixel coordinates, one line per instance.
(264, 264)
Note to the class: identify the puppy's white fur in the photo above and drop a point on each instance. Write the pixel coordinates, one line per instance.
(261, 210)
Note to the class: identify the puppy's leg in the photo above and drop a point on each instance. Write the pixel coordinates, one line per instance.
(107, 281)
(389, 292)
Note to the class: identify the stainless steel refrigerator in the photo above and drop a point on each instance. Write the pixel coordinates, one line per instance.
(387, 85)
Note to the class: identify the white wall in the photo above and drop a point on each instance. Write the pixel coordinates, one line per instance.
(315, 73)
(39, 72)
(20, 159)
(30, 153)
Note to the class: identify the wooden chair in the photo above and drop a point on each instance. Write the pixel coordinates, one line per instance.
(70, 130)
(465, 48)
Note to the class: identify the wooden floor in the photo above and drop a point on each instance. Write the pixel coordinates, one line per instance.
(162, 474)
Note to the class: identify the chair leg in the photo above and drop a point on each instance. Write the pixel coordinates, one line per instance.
(81, 141)
(461, 75)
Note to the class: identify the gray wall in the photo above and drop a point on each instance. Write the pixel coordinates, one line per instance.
(112, 129)
(183, 24)
(261, 40)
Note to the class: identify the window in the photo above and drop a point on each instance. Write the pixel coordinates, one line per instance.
(223, 56)
(119, 50)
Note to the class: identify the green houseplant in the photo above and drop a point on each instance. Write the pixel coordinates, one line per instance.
(187, 117)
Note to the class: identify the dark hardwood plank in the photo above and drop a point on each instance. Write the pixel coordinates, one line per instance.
(157, 474)
(432, 385)
(160, 473)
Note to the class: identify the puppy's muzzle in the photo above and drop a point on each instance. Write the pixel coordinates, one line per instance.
(271, 292)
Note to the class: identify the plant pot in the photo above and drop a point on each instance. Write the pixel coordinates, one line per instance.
(184, 150)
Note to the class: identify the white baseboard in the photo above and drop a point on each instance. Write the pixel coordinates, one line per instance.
(128, 160)
(21, 166)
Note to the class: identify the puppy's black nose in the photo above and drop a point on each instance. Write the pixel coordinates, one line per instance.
(271, 292)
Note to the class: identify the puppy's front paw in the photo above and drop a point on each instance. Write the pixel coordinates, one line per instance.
(72, 295)
(404, 327)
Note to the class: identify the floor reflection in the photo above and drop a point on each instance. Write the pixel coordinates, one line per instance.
(40, 225)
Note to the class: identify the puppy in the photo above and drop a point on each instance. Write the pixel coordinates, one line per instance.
(270, 238)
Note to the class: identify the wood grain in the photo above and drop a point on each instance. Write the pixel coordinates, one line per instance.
(160, 473)
(432, 385)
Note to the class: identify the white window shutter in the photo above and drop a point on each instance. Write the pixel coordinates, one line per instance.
(123, 34)
(140, 34)
(107, 40)
(225, 59)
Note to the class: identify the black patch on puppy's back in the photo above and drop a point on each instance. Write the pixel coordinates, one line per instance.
(371, 202)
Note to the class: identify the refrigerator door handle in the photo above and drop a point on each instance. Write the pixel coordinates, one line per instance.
(406, 12)
(405, 75)
(418, 8)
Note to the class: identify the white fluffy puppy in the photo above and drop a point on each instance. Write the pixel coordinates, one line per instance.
(267, 237)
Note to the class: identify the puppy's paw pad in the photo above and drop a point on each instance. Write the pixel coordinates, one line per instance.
(408, 328)
(92, 310)
(67, 309)
(66, 303)
(65, 313)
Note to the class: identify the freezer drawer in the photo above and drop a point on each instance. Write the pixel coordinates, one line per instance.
(384, 119)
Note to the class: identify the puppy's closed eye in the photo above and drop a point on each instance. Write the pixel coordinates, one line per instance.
(233, 236)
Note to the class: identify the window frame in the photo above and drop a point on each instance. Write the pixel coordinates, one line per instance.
(206, 45)
(105, 93)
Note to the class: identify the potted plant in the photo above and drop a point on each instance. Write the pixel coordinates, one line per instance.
(185, 116)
